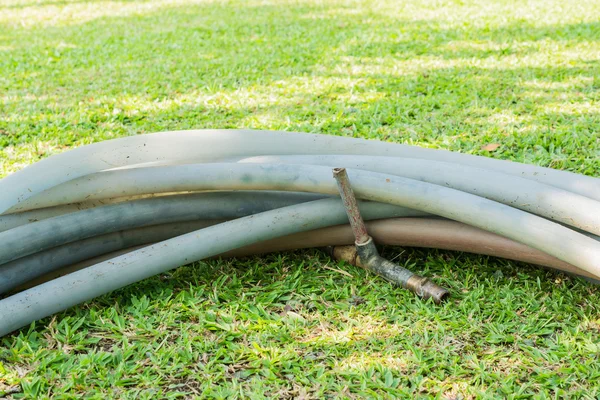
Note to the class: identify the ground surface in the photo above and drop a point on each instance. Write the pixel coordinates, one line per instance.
(512, 80)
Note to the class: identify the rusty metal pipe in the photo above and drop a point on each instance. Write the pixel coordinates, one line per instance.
(369, 256)
(351, 205)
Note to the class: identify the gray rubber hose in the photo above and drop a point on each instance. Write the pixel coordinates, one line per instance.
(43, 300)
(21, 270)
(13, 220)
(39, 236)
(224, 145)
(437, 233)
(554, 239)
(545, 200)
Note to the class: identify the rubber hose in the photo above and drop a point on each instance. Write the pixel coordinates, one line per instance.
(551, 202)
(554, 239)
(61, 293)
(23, 270)
(537, 198)
(43, 300)
(213, 206)
(13, 220)
(222, 145)
(410, 232)
(39, 236)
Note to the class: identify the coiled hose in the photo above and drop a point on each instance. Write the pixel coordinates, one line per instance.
(110, 196)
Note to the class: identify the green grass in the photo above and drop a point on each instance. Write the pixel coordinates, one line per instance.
(456, 74)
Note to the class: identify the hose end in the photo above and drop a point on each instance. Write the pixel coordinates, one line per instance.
(426, 289)
(345, 253)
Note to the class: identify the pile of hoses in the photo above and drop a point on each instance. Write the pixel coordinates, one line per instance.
(91, 220)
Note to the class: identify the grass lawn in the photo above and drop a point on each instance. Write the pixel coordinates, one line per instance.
(463, 75)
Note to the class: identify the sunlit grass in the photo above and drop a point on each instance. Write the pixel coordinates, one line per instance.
(445, 74)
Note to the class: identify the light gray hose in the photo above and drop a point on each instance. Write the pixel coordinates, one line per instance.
(571, 247)
(541, 199)
(39, 236)
(549, 237)
(437, 233)
(213, 206)
(546, 200)
(544, 235)
(554, 239)
(222, 145)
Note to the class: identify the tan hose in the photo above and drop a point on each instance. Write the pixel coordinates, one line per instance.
(417, 232)
(409, 232)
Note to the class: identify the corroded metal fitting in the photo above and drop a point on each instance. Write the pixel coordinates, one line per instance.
(365, 254)
(426, 289)
(369, 258)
